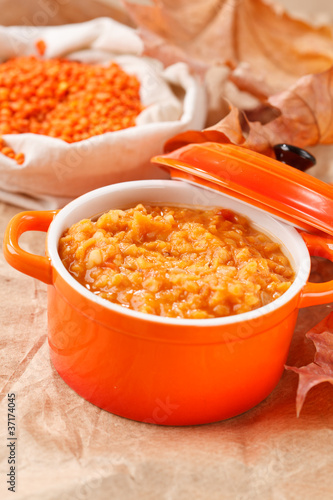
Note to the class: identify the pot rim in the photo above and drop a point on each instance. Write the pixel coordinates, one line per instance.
(57, 227)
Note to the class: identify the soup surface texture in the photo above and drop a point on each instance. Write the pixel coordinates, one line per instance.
(176, 261)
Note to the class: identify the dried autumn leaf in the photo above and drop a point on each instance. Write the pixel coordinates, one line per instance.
(322, 368)
(229, 130)
(267, 49)
(306, 111)
(302, 116)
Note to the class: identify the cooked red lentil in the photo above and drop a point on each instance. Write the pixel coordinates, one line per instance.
(66, 99)
(177, 262)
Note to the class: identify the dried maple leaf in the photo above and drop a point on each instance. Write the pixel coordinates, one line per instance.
(302, 116)
(306, 111)
(267, 49)
(322, 368)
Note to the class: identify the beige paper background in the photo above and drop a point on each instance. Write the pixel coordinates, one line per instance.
(68, 449)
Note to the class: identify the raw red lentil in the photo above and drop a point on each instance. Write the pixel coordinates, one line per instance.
(66, 99)
(7, 151)
(41, 47)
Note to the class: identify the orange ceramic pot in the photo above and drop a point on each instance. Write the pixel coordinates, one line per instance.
(164, 370)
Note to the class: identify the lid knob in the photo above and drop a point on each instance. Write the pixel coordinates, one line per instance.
(294, 156)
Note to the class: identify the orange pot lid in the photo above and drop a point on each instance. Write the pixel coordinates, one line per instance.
(285, 192)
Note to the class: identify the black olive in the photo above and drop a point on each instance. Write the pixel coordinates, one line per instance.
(294, 156)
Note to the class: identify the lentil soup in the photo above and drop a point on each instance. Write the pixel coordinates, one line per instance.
(177, 262)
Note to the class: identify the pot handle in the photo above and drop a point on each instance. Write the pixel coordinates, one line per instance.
(314, 294)
(37, 266)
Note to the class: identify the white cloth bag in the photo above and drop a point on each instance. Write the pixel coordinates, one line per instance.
(54, 172)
